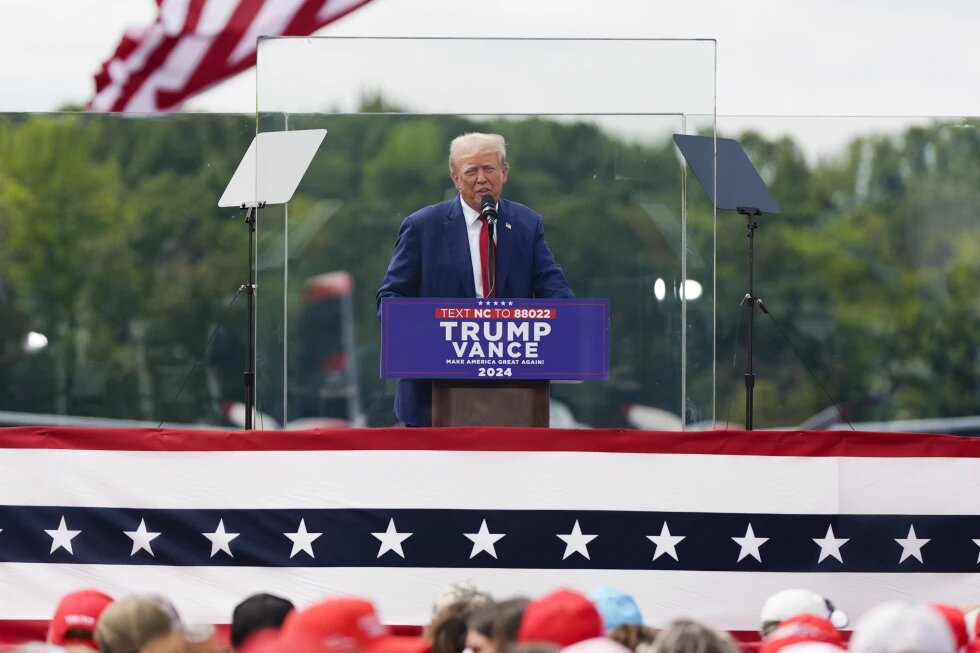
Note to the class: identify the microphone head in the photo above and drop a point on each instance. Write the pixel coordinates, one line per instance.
(488, 207)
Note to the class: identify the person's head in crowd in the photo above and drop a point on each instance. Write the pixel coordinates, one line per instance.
(451, 613)
(479, 629)
(449, 629)
(621, 617)
(132, 622)
(175, 642)
(616, 607)
(802, 629)
(596, 645)
(461, 591)
(811, 647)
(563, 617)
(507, 622)
(36, 647)
(956, 621)
(633, 636)
(897, 627)
(348, 623)
(534, 647)
(276, 641)
(257, 612)
(792, 602)
(688, 636)
(74, 620)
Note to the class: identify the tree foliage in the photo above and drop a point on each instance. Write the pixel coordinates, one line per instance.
(111, 245)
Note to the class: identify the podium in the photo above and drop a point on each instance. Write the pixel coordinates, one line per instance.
(491, 361)
(472, 402)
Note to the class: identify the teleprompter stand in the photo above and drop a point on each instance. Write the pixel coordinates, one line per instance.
(734, 184)
(269, 173)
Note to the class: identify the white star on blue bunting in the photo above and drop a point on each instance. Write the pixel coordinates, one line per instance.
(830, 545)
(220, 539)
(141, 539)
(391, 540)
(61, 537)
(302, 540)
(483, 540)
(576, 542)
(749, 545)
(911, 545)
(666, 543)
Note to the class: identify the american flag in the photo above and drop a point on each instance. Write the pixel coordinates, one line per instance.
(194, 44)
(692, 524)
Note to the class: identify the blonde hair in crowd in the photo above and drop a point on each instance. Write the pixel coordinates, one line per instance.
(689, 636)
(476, 143)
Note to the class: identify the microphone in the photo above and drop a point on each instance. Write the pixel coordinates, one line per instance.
(488, 208)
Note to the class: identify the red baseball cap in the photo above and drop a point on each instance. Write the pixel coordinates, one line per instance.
(802, 628)
(270, 640)
(956, 621)
(348, 623)
(75, 618)
(563, 617)
(972, 621)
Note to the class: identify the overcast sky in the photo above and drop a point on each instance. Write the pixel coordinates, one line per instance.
(864, 57)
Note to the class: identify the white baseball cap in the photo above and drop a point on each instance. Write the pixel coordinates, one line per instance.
(897, 627)
(792, 602)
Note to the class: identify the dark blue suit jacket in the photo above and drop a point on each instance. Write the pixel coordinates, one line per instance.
(432, 259)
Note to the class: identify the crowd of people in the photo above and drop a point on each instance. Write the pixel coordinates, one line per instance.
(468, 619)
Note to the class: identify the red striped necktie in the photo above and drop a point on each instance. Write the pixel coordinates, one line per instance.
(484, 257)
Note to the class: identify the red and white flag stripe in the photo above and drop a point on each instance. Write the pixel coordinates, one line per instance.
(194, 44)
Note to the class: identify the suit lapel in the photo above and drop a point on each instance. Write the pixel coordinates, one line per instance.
(505, 248)
(459, 245)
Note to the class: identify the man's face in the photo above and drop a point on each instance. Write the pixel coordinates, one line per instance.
(479, 175)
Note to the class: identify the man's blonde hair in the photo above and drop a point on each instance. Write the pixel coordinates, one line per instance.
(477, 143)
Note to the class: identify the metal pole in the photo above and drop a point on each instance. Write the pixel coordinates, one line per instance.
(250, 317)
(750, 300)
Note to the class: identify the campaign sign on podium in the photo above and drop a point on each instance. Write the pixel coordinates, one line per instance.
(555, 339)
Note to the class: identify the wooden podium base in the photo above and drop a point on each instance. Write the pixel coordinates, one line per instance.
(490, 403)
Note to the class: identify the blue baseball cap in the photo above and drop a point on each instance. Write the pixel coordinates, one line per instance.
(616, 607)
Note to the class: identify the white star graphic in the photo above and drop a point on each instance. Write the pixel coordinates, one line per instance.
(576, 542)
(977, 542)
(750, 545)
(830, 545)
(510, 303)
(141, 538)
(302, 540)
(391, 540)
(666, 543)
(62, 537)
(480, 303)
(483, 540)
(911, 545)
(220, 539)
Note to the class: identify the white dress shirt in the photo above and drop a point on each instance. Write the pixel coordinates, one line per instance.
(473, 227)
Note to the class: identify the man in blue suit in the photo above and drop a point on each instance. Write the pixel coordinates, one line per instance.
(437, 253)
